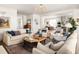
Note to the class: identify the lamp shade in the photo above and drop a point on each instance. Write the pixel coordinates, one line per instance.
(68, 25)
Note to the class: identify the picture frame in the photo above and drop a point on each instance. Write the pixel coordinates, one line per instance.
(4, 22)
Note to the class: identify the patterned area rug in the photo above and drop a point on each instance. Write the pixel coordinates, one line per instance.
(17, 49)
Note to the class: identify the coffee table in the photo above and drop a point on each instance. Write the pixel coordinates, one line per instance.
(31, 42)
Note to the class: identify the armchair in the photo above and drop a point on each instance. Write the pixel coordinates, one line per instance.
(41, 49)
(56, 46)
(45, 49)
(69, 47)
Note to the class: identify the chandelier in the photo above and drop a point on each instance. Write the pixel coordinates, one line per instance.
(41, 9)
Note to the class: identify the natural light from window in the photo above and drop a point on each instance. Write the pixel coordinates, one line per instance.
(53, 22)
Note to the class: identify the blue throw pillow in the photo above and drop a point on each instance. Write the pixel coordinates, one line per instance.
(11, 32)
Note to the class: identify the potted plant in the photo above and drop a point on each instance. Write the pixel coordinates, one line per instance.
(73, 23)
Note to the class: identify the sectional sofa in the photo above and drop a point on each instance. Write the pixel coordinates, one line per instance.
(2, 50)
(69, 47)
(8, 39)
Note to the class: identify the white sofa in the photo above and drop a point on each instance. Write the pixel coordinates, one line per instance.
(10, 40)
(69, 47)
(77, 45)
(2, 50)
(41, 49)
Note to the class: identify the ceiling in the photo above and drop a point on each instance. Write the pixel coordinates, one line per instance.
(30, 8)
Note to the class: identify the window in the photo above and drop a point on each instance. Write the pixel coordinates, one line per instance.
(53, 22)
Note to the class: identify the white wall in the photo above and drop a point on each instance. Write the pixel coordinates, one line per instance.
(35, 27)
(34, 17)
(12, 14)
(22, 20)
(76, 14)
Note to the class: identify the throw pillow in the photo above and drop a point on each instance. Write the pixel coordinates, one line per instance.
(11, 32)
(17, 32)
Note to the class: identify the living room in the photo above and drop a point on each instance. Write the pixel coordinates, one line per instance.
(39, 28)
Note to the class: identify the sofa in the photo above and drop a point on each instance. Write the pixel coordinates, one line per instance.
(2, 50)
(69, 47)
(8, 39)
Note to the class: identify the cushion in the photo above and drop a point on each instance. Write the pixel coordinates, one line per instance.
(17, 32)
(57, 46)
(22, 31)
(45, 49)
(2, 50)
(22, 36)
(11, 32)
(37, 51)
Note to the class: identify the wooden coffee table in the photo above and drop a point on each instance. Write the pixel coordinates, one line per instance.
(33, 41)
(38, 38)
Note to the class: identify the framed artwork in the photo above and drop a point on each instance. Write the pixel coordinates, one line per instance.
(4, 22)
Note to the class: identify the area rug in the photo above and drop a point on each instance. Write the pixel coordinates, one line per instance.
(17, 49)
